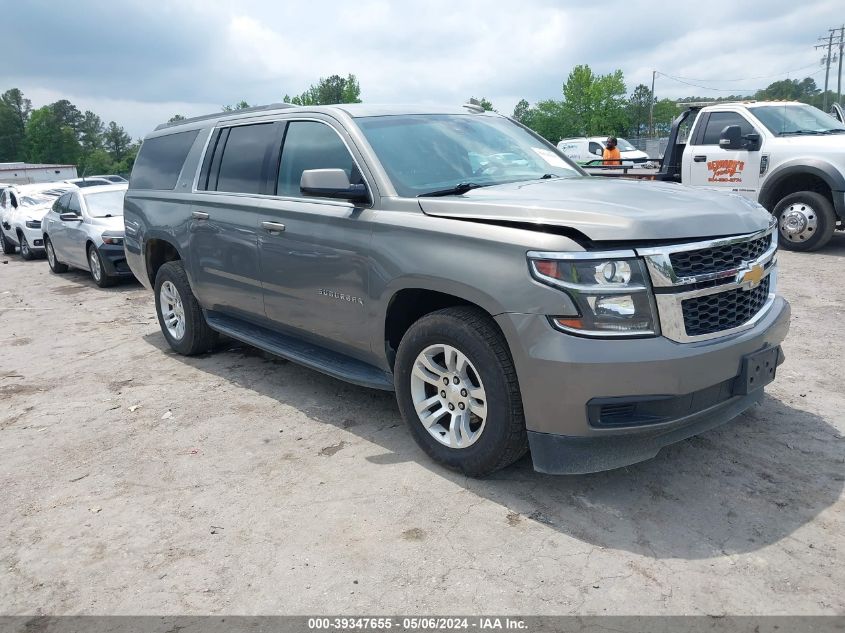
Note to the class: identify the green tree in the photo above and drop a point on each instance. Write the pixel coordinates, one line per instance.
(548, 119)
(14, 114)
(97, 161)
(334, 89)
(665, 111)
(484, 102)
(639, 104)
(116, 141)
(520, 110)
(67, 114)
(91, 132)
(240, 105)
(48, 140)
(594, 104)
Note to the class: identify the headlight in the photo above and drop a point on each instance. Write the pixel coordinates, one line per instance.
(33, 224)
(610, 290)
(112, 238)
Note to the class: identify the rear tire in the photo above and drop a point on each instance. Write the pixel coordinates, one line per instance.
(26, 251)
(6, 245)
(806, 221)
(487, 416)
(179, 313)
(55, 265)
(98, 271)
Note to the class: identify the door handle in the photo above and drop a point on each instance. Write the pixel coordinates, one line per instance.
(199, 215)
(273, 227)
(699, 158)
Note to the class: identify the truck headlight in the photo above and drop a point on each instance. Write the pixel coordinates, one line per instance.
(610, 290)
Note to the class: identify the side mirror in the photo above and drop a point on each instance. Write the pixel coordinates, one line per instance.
(331, 183)
(752, 142)
(731, 138)
(70, 217)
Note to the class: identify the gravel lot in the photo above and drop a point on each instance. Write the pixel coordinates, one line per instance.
(136, 481)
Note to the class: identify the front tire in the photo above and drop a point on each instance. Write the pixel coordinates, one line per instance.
(26, 251)
(55, 265)
(6, 245)
(179, 313)
(478, 426)
(806, 221)
(98, 271)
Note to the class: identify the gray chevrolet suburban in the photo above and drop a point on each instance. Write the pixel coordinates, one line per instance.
(511, 301)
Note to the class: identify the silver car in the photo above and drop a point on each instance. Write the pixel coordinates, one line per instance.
(84, 229)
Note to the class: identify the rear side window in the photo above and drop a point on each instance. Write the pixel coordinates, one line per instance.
(160, 161)
(245, 157)
(312, 145)
(719, 121)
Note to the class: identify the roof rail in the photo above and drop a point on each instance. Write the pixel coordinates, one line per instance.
(217, 115)
(473, 107)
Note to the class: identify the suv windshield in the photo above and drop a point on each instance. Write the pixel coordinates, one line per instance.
(105, 204)
(34, 199)
(434, 152)
(787, 120)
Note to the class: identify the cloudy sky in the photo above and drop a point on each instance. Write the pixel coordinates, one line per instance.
(141, 61)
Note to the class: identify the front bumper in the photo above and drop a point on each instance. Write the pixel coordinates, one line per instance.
(563, 378)
(114, 260)
(35, 238)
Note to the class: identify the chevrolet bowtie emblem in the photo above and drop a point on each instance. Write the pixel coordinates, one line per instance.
(750, 277)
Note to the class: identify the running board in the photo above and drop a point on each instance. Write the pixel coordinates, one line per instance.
(313, 356)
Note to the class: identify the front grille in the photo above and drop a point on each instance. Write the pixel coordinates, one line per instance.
(719, 258)
(724, 310)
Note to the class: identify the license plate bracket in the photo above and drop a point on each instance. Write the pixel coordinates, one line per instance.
(758, 370)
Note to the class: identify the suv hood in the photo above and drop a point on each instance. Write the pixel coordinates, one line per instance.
(607, 209)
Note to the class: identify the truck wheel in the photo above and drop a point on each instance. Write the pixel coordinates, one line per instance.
(806, 221)
(458, 392)
(8, 247)
(98, 271)
(179, 313)
(26, 251)
(55, 265)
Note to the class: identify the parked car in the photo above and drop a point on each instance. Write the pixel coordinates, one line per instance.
(113, 178)
(91, 181)
(22, 208)
(589, 149)
(510, 304)
(84, 229)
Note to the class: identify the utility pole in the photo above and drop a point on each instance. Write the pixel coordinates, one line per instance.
(827, 65)
(839, 79)
(651, 104)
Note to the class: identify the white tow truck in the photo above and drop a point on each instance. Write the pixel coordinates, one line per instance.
(788, 156)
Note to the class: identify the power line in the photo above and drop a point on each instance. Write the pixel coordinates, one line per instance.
(785, 72)
(731, 90)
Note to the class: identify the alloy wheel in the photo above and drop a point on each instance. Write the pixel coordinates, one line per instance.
(448, 396)
(172, 310)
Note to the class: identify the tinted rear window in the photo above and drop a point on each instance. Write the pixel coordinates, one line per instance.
(243, 162)
(160, 161)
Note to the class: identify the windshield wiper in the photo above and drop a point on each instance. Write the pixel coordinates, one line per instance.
(461, 187)
(798, 132)
(547, 176)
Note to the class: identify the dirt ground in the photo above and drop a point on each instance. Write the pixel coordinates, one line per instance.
(136, 481)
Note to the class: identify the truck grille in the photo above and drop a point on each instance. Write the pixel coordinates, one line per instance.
(723, 310)
(719, 258)
(713, 288)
